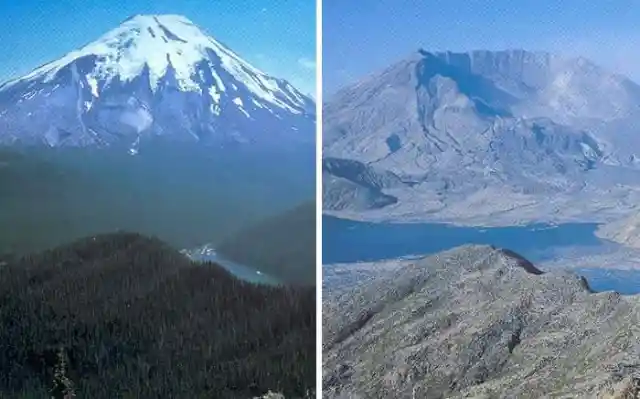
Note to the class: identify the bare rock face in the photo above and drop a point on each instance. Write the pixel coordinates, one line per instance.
(458, 125)
(625, 230)
(476, 322)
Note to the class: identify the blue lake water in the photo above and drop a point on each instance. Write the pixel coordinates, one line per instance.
(626, 282)
(345, 241)
(350, 241)
(247, 273)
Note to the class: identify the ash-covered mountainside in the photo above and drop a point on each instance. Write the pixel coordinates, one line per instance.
(459, 129)
(478, 322)
(154, 75)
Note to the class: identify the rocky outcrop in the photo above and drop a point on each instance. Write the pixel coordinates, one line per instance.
(477, 322)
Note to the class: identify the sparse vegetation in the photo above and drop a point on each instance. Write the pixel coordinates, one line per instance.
(476, 322)
(122, 315)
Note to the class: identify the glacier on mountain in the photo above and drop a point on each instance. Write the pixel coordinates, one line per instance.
(154, 75)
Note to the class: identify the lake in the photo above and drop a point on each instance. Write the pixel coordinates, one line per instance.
(626, 282)
(345, 241)
(207, 253)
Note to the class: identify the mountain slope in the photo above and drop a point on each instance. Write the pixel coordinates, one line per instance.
(465, 126)
(625, 230)
(282, 246)
(349, 184)
(126, 309)
(185, 194)
(154, 75)
(477, 322)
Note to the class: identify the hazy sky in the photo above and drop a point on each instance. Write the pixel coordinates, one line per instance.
(277, 36)
(358, 40)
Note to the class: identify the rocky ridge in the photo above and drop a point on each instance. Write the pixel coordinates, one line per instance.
(475, 322)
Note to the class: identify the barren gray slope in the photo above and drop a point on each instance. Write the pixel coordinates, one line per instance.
(477, 322)
(625, 230)
(349, 184)
(465, 128)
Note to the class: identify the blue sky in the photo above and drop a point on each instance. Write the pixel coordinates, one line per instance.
(359, 40)
(277, 36)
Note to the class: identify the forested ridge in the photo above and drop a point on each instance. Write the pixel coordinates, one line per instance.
(132, 317)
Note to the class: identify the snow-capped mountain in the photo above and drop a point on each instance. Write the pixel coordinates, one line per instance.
(484, 135)
(154, 75)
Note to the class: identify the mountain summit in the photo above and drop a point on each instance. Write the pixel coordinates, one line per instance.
(152, 75)
(483, 134)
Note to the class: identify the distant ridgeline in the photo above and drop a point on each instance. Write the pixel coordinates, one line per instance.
(123, 313)
(283, 246)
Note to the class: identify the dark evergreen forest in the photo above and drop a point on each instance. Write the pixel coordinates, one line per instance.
(126, 316)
